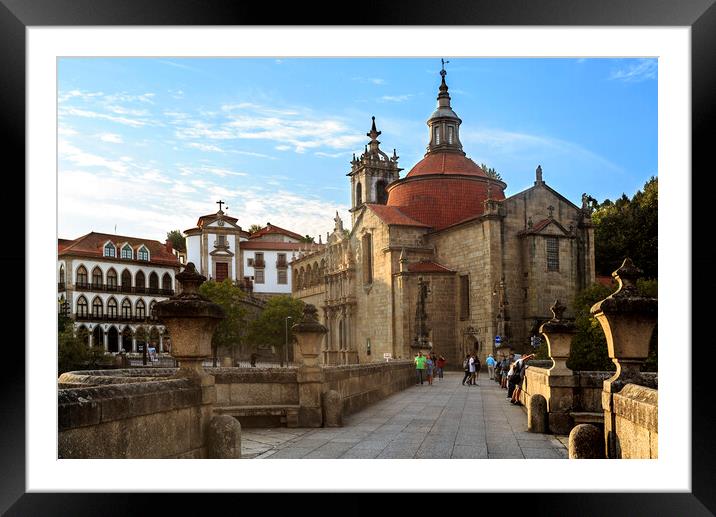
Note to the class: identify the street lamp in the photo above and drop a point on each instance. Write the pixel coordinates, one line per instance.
(286, 342)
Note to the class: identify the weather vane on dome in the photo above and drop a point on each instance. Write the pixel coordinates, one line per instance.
(443, 72)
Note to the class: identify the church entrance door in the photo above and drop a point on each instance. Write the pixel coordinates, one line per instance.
(222, 271)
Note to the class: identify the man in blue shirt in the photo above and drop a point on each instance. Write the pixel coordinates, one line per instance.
(491, 366)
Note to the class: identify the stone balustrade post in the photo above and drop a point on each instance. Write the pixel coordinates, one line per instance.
(628, 320)
(191, 320)
(309, 335)
(559, 333)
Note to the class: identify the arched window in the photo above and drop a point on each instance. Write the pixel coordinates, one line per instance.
(112, 308)
(359, 194)
(81, 279)
(82, 307)
(111, 280)
(110, 250)
(380, 193)
(451, 134)
(153, 309)
(436, 135)
(141, 310)
(127, 252)
(126, 281)
(167, 282)
(367, 253)
(97, 308)
(62, 274)
(97, 277)
(139, 282)
(126, 309)
(143, 253)
(153, 282)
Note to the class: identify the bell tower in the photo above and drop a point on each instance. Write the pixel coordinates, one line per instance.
(444, 124)
(371, 173)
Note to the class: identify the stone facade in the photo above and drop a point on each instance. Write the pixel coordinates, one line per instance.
(488, 269)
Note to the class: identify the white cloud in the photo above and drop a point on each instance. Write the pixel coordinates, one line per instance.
(642, 70)
(75, 112)
(80, 158)
(396, 98)
(372, 80)
(111, 138)
(205, 147)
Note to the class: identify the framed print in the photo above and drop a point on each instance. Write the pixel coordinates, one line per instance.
(41, 39)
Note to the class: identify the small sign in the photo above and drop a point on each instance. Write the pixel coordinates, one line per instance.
(387, 355)
(498, 339)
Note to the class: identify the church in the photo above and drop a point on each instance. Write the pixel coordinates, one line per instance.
(440, 259)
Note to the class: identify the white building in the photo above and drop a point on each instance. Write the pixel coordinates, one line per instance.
(109, 285)
(220, 249)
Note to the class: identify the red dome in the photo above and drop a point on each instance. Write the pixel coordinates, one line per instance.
(443, 189)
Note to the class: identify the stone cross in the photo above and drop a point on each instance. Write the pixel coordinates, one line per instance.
(551, 209)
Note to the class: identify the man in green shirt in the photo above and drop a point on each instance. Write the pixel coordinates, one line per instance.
(419, 367)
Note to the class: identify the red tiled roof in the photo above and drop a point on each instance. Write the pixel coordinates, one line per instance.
(63, 243)
(392, 216)
(210, 217)
(92, 245)
(428, 266)
(273, 229)
(442, 200)
(281, 246)
(446, 163)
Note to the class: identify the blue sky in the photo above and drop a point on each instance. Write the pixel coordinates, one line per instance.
(149, 144)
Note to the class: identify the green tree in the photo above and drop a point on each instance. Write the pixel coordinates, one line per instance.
(270, 327)
(230, 333)
(628, 228)
(254, 228)
(491, 172)
(73, 353)
(177, 239)
(307, 238)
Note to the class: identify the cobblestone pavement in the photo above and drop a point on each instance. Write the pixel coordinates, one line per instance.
(445, 420)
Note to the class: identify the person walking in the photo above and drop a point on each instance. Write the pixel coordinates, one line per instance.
(471, 380)
(419, 367)
(429, 365)
(478, 366)
(490, 366)
(466, 367)
(440, 363)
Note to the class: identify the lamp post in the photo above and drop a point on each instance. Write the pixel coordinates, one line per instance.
(286, 342)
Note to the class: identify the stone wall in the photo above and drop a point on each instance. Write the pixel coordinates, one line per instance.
(636, 419)
(134, 419)
(364, 384)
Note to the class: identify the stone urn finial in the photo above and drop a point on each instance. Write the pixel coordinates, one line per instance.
(628, 319)
(557, 310)
(191, 320)
(558, 333)
(309, 334)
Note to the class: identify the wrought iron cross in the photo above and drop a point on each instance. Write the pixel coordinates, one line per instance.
(443, 72)
(220, 202)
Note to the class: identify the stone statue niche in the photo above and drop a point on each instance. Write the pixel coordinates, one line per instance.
(422, 331)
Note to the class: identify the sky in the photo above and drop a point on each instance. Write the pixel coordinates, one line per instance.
(147, 145)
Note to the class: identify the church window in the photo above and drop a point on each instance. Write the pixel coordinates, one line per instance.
(259, 276)
(367, 252)
(127, 252)
(464, 297)
(552, 254)
(451, 134)
(359, 194)
(282, 276)
(109, 250)
(436, 135)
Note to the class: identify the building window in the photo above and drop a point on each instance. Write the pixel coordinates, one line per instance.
(451, 134)
(250, 262)
(141, 310)
(81, 276)
(259, 276)
(97, 276)
(111, 280)
(282, 276)
(112, 308)
(126, 281)
(436, 135)
(259, 260)
(367, 250)
(380, 192)
(139, 282)
(143, 254)
(359, 194)
(552, 254)
(464, 297)
(127, 252)
(82, 307)
(97, 308)
(281, 260)
(153, 282)
(167, 282)
(126, 309)
(153, 310)
(62, 274)
(109, 250)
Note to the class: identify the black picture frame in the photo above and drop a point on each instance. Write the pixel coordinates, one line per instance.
(700, 15)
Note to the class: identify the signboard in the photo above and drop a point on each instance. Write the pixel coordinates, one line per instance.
(387, 356)
(498, 339)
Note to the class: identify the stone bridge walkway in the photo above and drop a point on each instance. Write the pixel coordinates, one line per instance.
(446, 420)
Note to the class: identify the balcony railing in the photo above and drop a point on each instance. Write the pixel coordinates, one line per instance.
(116, 318)
(112, 288)
(281, 263)
(259, 263)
